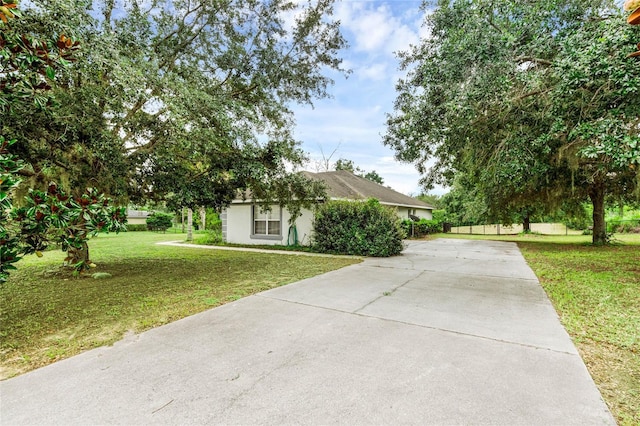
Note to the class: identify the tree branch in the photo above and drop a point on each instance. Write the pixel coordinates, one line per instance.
(540, 61)
(528, 95)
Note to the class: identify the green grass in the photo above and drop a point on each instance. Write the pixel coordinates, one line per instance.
(625, 239)
(596, 292)
(47, 315)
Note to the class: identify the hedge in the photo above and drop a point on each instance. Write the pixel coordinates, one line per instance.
(159, 221)
(421, 228)
(357, 228)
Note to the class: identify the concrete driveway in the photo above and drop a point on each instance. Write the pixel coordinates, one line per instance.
(451, 332)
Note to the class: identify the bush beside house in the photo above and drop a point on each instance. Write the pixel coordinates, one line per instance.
(417, 229)
(159, 221)
(357, 228)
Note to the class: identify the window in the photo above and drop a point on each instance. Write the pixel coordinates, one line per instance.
(266, 223)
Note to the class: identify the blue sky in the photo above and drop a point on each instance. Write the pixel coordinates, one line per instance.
(354, 120)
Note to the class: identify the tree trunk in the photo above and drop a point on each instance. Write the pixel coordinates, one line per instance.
(596, 194)
(182, 220)
(203, 219)
(77, 255)
(526, 223)
(189, 225)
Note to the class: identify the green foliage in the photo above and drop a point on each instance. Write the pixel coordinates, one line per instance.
(10, 165)
(136, 228)
(624, 219)
(595, 291)
(421, 228)
(30, 64)
(464, 203)
(29, 67)
(159, 221)
(213, 221)
(349, 165)
(209, 237)
(431, 199)
(439, 215)
(150, 285)
(69, 221)
(186, 103)
(534, 104)
(578, 223)
(623, 226)
(373, 176)
(357, 228)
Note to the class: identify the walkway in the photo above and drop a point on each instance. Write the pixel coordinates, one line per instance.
(451, 332)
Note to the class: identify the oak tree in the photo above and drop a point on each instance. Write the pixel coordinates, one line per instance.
(186, 101)
(535, 102)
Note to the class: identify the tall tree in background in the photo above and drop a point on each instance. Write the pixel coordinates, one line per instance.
(186, 101)
(534, 102)
(349, 165)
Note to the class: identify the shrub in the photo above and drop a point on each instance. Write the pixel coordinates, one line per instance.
(213, 222)
(578, 223)
(135, 228)
(159, 221)
(623, 226)
(438, 215)
(421, 228)
(209, 238)
(357, 228)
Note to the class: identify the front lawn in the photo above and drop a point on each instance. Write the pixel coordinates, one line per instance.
(46, 316)
(596, 292)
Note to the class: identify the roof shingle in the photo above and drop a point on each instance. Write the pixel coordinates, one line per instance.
(342, 184)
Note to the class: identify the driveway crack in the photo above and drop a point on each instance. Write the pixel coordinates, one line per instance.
(389, 293)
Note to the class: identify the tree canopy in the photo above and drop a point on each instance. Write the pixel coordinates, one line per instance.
(350, 166)
(185, 101)
(535, 103)
(29, 66)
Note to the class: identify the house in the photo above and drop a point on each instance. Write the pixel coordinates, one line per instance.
(244, 222)
(137, 217)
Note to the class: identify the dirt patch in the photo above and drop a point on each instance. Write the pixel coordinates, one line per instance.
(616, 372)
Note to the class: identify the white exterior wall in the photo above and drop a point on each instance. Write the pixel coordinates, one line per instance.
(304, 226)
(238, 229)
(237, 223)
(137, 217)
(239, 226)
(136, 221)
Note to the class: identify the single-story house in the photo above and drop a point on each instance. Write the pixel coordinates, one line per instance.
(243, 222)
(137, 217)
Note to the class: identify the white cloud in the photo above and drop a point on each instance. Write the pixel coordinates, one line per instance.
(354, 120)
(403, 37)
(375, 29)
(374, 72)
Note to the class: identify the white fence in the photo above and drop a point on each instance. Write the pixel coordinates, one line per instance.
(496, 229)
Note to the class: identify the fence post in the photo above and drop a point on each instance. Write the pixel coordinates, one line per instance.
(498, 228)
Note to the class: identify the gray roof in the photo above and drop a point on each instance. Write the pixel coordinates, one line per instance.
(137, 213)
(342, 184)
